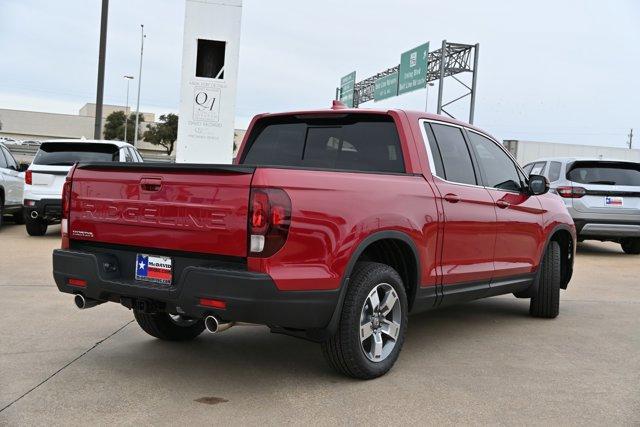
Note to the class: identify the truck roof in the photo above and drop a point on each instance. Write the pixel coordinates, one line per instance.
(340, 109)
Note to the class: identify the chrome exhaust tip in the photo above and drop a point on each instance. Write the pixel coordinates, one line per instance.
(34, 214)
(84, 303)
(80, 302)
(215, 325)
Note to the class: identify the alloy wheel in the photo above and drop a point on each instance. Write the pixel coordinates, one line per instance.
(380, 322)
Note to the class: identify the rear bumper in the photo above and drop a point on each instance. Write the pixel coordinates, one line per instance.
(603, 228)
(249, 297)
(47, 209)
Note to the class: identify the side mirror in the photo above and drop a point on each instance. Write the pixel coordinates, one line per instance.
(538, 184)
(22, 167)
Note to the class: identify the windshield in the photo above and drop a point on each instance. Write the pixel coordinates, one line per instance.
(68, 153)
(605, 173)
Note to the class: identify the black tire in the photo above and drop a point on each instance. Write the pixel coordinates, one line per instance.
(631, 245)
(18, 217)
(545, 301)
(1, 210)
(344, 351)
(36, 227)
(162, 326)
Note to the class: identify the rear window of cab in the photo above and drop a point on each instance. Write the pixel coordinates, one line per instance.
(352, 142)
(67, 154)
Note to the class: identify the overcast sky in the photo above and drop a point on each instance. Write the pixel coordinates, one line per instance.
(561, 71)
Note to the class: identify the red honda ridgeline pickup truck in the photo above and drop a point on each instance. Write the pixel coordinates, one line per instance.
(332, 225)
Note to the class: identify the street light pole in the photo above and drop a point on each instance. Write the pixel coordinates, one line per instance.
(426, 102)
(135, 133)
(97, 130)
(126, 109)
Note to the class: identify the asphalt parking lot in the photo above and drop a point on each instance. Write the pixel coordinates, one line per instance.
(485, 362)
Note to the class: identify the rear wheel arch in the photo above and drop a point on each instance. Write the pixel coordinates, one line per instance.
(398, 253)
(366, 249)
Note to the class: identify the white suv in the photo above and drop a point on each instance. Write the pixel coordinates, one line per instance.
(11, 183)
(45, 177)
(602, 196)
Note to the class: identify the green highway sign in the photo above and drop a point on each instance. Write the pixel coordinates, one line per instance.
(413, 69)
(385, 87)
(347, 87)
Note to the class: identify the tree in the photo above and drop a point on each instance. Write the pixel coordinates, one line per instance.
(164, 133)
(114, 126)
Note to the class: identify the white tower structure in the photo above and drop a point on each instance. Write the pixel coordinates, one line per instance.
(209, 80)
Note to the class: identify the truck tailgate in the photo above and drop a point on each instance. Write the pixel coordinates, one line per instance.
(192, 208)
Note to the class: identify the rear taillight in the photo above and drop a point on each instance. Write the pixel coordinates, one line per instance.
(269, 221)
(66, 203)
(571, 192)
(28, 177)
(66, 208)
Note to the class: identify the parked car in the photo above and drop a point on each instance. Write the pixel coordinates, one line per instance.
(11, 183)
(45, 177)
(333, 225)
(602, 196)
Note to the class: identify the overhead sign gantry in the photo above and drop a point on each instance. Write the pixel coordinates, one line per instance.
(417, 67)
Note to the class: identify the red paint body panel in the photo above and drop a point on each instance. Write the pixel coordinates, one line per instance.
(191, 211)
(519, 230)
(469, 233)
(332, 214)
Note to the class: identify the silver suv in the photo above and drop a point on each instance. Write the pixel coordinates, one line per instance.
(602, 196)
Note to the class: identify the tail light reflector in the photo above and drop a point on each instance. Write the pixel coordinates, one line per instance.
(28, 177)
(77, 282)
(571, 192)
(213, 303)
(269, 221)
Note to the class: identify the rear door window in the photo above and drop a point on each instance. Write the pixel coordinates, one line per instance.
(357, 142)
(66, 154)
(554, 171)
(11, 162)
(605, 173)
(127, 155)
(3, 160)
(434, 150)
(136, 155)
(498, 170)
(538, 168)
(456, 159)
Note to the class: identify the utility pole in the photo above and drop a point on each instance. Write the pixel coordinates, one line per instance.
(97, 131)
(126, 108)
(135, 133)
(631, 139)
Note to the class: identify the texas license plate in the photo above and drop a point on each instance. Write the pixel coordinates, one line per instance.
(151, 268)
(614, 201)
